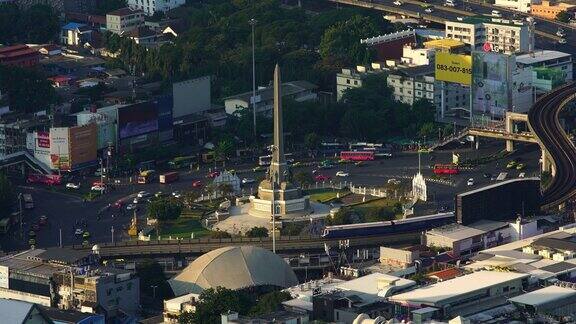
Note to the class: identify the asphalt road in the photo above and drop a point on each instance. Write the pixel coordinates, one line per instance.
(484, 9)
(65, 210)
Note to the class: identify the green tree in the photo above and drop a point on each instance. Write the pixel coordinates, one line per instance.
(151, 274)
(342, 217)
(223, 150)
(342, 40)
(226, 190)
(216, 301)
(311, 141)
(303, 178)
(37, 24)
(7, 195)
(164, 209)
(105, 6)
(564, 16)
(27, 90)
(219, 234)
(270, 302)
(257, 231)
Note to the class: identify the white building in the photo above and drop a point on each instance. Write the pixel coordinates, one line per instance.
(412, 56)
(549, 68)
(494, 34)
(174, 307)
(518, 5)
(415, 83)
(294, 90)
(150, 7)
(352, 79)
(124, 20)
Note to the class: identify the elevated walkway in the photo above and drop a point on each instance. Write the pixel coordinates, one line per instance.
(26, 158)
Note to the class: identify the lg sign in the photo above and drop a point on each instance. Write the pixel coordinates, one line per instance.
(487, 47)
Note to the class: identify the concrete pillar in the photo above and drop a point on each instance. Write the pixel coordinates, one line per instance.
(509, 146)
(547, 165)
(509, 124)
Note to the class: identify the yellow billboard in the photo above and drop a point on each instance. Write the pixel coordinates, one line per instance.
(455, 68)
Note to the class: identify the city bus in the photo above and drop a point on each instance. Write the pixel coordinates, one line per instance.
(357, 155)
(379, 149)
(446, 169)
(146, 176)
(28, 202)
(182, 162)
(267, 159)
(332, 148)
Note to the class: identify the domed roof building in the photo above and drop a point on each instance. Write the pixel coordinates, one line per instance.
(234, 267)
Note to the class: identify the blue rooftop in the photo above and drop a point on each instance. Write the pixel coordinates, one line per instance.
(73, 25)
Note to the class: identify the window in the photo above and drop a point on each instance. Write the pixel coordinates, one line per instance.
(348, 81)
(355, 82)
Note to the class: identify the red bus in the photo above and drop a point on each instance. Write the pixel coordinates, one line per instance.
(357, 155)
(49, 179)
(446, 169)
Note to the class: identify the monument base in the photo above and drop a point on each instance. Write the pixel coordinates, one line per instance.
(285, 209)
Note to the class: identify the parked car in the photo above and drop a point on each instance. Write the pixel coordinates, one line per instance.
(248, 181)
(342, 174)
(72, 185)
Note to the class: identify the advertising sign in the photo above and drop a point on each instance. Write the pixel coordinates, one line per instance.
(138, 119)
(490, 84)
(83, 144)
(455, 68)
(43, 139)
(59, 149)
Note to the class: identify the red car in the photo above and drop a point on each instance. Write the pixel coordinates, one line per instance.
(321, 178)
(197, 184)
(213, 174)
(118, 204)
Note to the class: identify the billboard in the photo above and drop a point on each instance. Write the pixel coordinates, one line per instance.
(59, 149)
(43, 139)
(83, 144)
(137, 119)
(490, 84)
(455, 68)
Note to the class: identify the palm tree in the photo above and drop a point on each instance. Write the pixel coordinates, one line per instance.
(223, 150)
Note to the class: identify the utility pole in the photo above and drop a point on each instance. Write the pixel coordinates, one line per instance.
(154, 291)
(252, 23)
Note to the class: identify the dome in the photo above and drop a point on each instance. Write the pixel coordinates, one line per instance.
(234, 267)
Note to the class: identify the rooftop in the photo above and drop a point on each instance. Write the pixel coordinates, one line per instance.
(415, 71)
(455, 232)
(543, 296)
(14, 311)
(497, 184)
(541, 56)
(288, 88)
(439, 292)
(444, 43)
(445, 274)
(123, 12)
(73, 26)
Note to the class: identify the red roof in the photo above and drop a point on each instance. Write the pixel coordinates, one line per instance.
(7, 49)
(446, 274)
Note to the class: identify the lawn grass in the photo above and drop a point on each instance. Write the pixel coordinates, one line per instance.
(323, 195)
(183, 227)
(365, 208)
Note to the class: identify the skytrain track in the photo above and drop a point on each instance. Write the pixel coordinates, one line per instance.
(544, 122)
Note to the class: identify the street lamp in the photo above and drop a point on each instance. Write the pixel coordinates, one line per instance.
(153, 291)
(252, 23)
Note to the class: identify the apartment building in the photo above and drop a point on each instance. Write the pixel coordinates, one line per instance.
(150, 7)
(415, 83)
(492, 34)
(354, 78)
(124, 20)
(518, 5)
(550, 69)
(550, 10)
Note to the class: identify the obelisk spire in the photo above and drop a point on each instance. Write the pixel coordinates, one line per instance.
(278, 165)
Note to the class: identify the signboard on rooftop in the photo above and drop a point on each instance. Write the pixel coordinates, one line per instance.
(455, 68)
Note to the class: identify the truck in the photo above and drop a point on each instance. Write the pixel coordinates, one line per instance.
(168, 177)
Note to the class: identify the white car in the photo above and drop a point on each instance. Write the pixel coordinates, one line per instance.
(393, 181)
(470, 182)
(143, 194)
(562, 41)
(71, 185)
(522, 175)
(176, 194)
(342, 174)
(560, 32)
(78, 231)
(98, 188)
(248, 180)
(429, 10)
(397, 3)
(137, 200)
(131, 206)
(496, 13)
(450, 4)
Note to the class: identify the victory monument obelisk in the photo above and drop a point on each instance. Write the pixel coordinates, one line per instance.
(276, 187)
